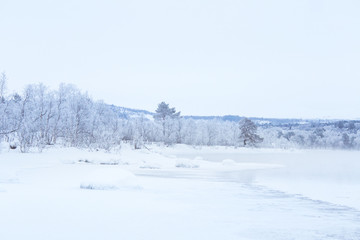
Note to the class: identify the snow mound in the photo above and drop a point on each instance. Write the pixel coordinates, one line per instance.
(4, 146)
(101, 161)
(228, 162)
(186, 163)
(96, 186)
(150, 166)
(110, 179)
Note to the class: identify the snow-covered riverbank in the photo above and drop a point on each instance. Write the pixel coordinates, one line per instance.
(179, 193)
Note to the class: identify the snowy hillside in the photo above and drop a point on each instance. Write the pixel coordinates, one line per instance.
(128, 113)
(134, 113)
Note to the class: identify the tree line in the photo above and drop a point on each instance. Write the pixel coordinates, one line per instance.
(39, 117)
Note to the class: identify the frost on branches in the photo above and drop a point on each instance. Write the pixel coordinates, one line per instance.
(39, 117)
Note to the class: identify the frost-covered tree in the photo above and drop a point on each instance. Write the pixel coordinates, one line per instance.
(39, 117)
(163, 111)
(167, 117)
(289, 135)
(248, 131)
(348, 141)
(3, 80)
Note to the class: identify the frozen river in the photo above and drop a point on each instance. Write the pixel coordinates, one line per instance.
(326, 175)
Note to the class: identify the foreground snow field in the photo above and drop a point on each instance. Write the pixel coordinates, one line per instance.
(180, 192)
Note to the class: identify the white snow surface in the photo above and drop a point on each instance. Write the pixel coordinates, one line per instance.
(179, 192)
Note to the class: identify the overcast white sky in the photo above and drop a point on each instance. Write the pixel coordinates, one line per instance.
(263, 58)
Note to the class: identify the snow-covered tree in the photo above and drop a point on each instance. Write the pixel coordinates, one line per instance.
(39, 117)
(248, 131)
(3, 80)
(166, 116)
(163, 111)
